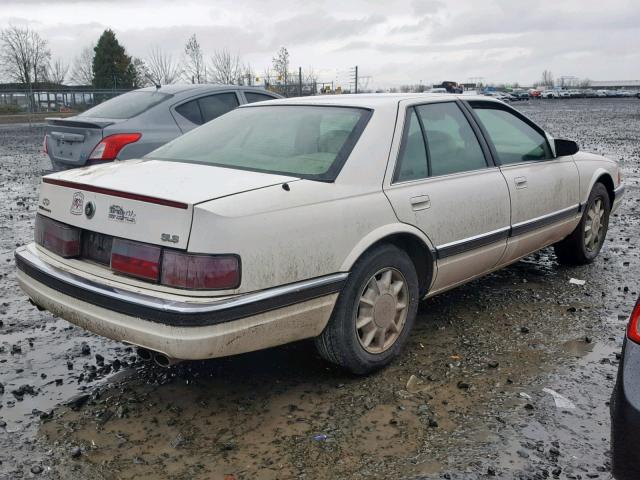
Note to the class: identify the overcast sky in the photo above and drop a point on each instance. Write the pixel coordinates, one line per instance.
(394, 41)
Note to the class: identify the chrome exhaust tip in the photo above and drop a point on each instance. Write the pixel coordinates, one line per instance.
(163, 361)
(144, 354)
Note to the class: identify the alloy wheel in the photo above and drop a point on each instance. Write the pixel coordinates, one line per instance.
(382, 310)
(594, 226)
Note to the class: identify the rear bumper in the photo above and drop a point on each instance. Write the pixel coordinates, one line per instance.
(192, 329)
(625, 415)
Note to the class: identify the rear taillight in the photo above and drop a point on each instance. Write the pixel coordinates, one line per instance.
(109, 147)
(633, 328)
(45, 149)
(61, 239)
(200, 272)
(136, 259)
(141, 260)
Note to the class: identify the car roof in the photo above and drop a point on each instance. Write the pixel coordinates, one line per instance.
(371, 100)
(174, 89)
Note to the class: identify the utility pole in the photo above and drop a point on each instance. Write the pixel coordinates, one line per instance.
(299, 81)
(356, 74)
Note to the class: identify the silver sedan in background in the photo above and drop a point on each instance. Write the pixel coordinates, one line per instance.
(135, 123)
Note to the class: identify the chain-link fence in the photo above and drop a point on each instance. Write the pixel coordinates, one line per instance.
(15, 98)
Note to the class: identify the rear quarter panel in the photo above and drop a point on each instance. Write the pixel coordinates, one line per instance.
(288, 236)
(156, 125)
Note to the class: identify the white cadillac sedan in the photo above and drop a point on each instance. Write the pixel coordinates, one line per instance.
(323, 217)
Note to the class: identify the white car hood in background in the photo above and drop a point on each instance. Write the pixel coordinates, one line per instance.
(99, 198)
(183, 182)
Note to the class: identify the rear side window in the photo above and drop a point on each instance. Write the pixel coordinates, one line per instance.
(190, 111)
(514, 140)
(257, 97)
(127, 105)
(452, 146)
(413, 156)
(215, 105)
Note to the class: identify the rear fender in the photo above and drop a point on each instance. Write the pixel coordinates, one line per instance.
(383, 232)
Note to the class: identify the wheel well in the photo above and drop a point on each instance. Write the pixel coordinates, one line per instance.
(607, 181)
(419, 254)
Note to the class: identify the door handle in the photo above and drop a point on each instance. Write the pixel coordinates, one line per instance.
(421, 202)
(521, 182)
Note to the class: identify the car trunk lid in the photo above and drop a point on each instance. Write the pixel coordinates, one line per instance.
(71, 140)
(150, 201)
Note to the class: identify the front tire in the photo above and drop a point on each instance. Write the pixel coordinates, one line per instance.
(374, 314)
(585, 242)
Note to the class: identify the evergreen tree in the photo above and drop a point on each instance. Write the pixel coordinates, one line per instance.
(112, 67)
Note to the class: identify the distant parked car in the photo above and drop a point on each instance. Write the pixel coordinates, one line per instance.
(520, 95)
(625, 405)
(550, 94)
(535, 93)
(135, 123)
(502, 96)
(601, 93)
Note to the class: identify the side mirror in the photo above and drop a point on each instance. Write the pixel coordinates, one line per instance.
(565, 147)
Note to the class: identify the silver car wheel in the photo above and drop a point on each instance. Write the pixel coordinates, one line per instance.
(594, 226)
(382, 310)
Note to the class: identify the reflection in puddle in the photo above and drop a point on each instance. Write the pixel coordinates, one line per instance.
(578, 347)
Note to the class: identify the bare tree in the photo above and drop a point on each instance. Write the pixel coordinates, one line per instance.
(57, 72)
(82, 71)
(226, 68)
(162, 68)
(266, 75)
(194, 68)
(584, 83)
(281, 64)
(310, 75)
(24, 55)
(547, 78)
(142, 76)
(248, 75)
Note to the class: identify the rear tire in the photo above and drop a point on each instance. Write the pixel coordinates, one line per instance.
(374, 314)
(585, 242)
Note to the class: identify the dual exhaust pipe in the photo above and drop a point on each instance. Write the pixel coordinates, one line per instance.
(160, 359)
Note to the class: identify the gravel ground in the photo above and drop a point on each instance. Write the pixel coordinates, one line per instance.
(73, 405)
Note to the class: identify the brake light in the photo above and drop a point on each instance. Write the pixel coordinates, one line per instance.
(109, 147)
(200, 272)
(61, 239)
(135, 259)
(45, 149)
(633, 328)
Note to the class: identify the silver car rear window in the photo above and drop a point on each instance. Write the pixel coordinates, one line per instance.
(127, 105)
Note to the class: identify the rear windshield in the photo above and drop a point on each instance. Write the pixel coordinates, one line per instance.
(127, 105)
(303, 141)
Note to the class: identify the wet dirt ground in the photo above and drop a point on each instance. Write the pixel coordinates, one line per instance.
(75, 406)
